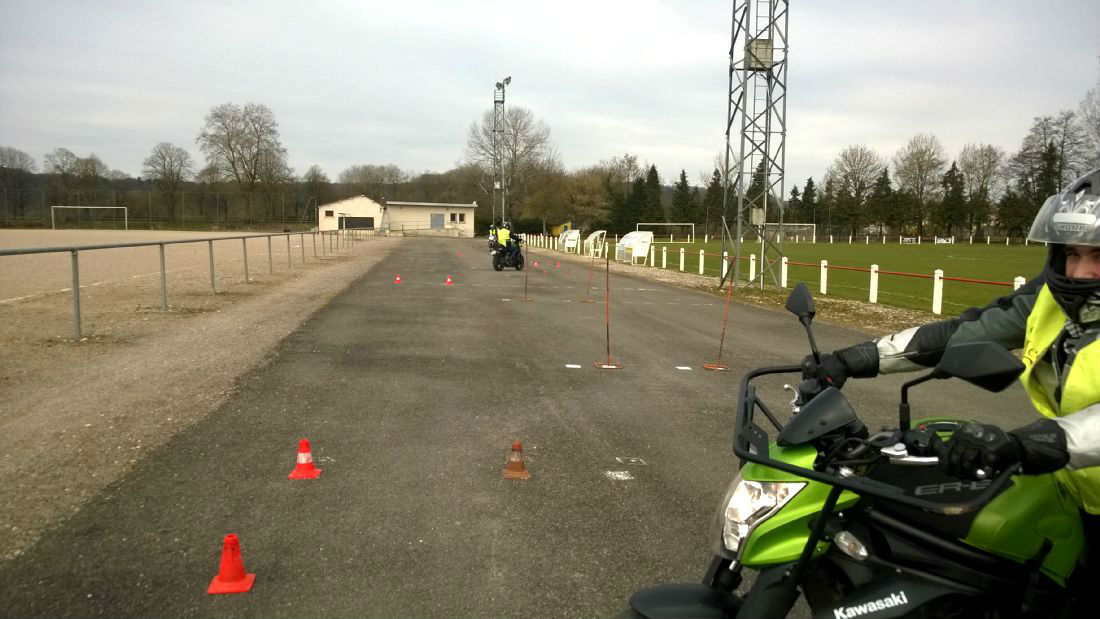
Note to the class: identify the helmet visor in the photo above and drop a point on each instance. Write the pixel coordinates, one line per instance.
(1068, 220)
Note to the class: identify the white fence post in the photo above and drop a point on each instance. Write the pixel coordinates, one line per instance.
(652, 256)
(873, 297)
(664, 257)
(752, 267)
(783, 272)
(1006, 241)
(824, 275)
(700, 262)
(849, 239)
(937, 292)
(987, 240)
(605, 248)
(830, 239)
(681, 259)
(1018, 282)
(725, 263)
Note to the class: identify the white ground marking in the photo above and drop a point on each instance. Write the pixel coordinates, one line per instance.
(505, 299)
(573, 366)
(683, 367)
(619, 475)
(629, 460)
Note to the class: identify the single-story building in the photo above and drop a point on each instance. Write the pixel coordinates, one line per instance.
(402, 218)
(431, 218)
(357, 212)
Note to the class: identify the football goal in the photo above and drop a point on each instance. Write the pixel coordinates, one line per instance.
(685, 232)
(75, 216)
(797, 233)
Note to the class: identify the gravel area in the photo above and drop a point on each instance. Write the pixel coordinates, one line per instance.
(76, 415)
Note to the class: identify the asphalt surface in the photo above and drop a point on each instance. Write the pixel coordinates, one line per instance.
(411, 395)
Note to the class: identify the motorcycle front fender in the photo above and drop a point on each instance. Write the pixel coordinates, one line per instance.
(684, 600)
(772, 595)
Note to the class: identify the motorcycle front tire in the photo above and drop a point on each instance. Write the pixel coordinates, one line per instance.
(519, 262)
(498, 263)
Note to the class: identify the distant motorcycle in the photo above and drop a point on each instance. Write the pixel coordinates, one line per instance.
(508, 255)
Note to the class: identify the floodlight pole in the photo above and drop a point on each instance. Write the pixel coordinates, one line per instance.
(498, 148)
(757, 102)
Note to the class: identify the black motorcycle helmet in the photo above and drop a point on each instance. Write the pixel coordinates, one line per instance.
(1069, 218)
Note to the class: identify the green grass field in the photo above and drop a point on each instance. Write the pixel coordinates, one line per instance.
(978, 261)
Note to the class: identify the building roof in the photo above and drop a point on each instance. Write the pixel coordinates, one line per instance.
(432, 204)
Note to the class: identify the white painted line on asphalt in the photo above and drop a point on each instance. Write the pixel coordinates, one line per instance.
(629, 460)
(619, 475)
(505, 299)
(683, 367)
(573, 366)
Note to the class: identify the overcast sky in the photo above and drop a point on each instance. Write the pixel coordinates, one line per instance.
(401, 81)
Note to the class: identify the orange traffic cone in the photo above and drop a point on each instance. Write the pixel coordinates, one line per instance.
(449, 282)
(397, 280)
(304, 469)
(536, 264)
(231, 576)
(516, 469)
(459, 254)
(557, 264)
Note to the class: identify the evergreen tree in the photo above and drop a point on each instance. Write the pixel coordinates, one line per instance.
(618, 216)
(635, 205)
(980, 207)
(809, 202)
(1015, 213)
(792, 212)
(652, 208)
(684, 201)
(712, 203)
(883, 204)
(951, 211)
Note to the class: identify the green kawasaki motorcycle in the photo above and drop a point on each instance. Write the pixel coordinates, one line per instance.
(867, 525)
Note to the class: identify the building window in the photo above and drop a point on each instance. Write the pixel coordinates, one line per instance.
(454, 217)
(462, 217)
(328, 213)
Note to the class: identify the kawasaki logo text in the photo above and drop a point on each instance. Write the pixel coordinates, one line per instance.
(847, 612)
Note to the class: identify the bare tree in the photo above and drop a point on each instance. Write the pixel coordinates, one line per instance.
(1090, 123)
(852, 175)
(61, 161)
(16, 168)
(855, 170)
(317, 185)
(982, 166)
(374, 181)
(169, 166)
(243, 143)
(918, 169)
(527, 151)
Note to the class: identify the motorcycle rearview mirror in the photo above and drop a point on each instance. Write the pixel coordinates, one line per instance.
(983, 364)
(801, 304)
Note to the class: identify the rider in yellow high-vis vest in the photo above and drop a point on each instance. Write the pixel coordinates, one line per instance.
(1054, 320)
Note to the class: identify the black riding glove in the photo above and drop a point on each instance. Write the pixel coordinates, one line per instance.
(1040, 447)
(859, 361)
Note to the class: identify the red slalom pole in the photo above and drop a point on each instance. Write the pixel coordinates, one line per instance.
(609, 365)
(589, 289)
(718, 365)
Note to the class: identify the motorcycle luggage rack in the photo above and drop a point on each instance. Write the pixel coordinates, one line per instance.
(750, 442)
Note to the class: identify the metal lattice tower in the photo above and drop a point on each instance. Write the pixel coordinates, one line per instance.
(757, 107)
(498, 149)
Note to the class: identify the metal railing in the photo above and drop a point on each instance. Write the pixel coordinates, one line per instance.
(331, 241)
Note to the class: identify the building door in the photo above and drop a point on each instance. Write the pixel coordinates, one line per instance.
(437, 221)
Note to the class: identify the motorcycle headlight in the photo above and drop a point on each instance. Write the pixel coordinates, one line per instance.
(750, 503)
